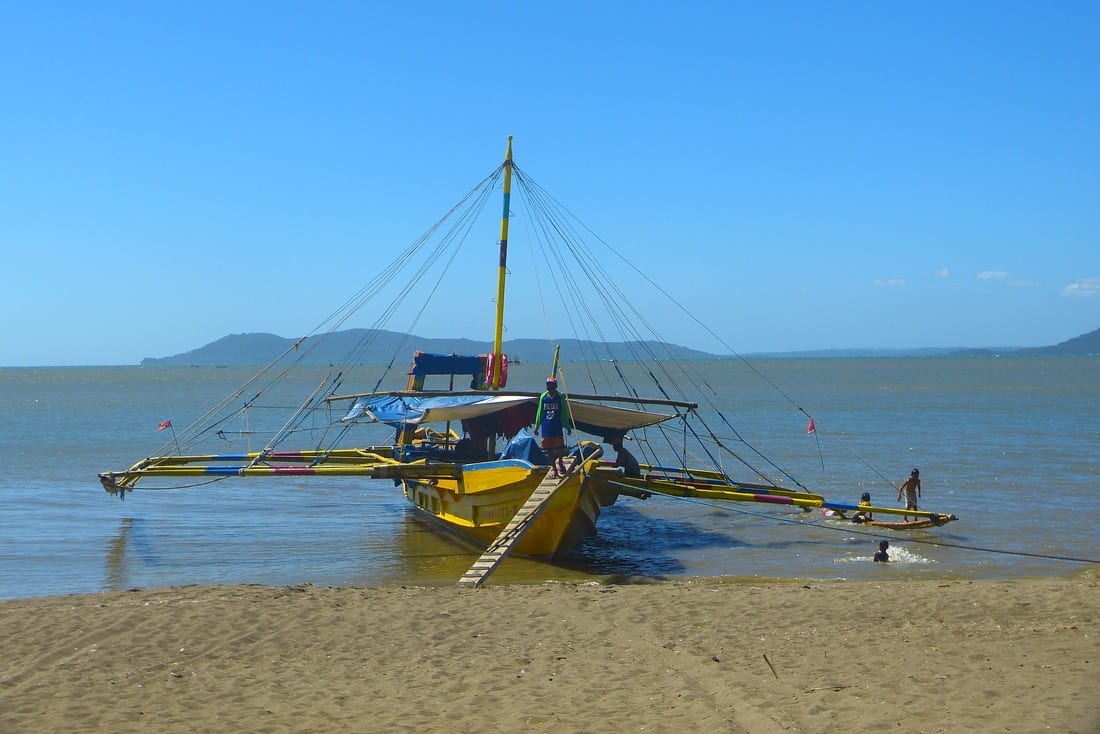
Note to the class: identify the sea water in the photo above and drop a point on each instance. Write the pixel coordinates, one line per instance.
(1010, 445)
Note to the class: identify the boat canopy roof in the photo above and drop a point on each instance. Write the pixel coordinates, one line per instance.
(405, 409)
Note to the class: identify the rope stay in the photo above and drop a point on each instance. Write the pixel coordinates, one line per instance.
(625, 316)
(568, 258)
(605, 329)
(439, 245)
(553, 224)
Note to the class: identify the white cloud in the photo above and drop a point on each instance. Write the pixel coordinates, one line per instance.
(890, 282)
(1082, 288)
(943, 273)
(992, 275)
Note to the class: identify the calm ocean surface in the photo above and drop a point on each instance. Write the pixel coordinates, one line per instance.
(1011, 446)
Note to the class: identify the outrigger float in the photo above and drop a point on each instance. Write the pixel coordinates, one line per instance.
(444, 452)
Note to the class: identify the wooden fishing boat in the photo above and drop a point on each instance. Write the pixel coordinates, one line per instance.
(921, 524)
(442, 444)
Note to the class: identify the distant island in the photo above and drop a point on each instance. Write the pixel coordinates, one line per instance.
(259, 348)
(1086, 345)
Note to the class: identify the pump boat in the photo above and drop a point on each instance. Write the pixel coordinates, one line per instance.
(465, 457)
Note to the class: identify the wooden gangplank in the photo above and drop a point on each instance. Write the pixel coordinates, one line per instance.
(499, 549)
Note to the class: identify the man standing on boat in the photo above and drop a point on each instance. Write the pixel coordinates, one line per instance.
(551, 418)
(911, 489)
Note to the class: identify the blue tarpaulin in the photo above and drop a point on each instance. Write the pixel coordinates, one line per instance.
(525, 446)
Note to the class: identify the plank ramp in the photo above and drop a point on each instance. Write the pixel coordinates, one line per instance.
(499, 549)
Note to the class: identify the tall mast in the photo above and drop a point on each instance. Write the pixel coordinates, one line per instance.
(498, 335)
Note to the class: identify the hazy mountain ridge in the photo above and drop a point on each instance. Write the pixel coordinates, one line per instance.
(1083, 345)
(261, 348)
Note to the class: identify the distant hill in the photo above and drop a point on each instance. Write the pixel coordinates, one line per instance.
(850, 353)
(1084, 345)
(260, 349)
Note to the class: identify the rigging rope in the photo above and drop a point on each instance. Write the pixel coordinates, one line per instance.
(625, 317)
(613, 300)
(570, 260)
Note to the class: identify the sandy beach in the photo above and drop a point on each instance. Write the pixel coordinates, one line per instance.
(705, 655)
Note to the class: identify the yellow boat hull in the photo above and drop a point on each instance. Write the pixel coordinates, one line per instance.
(479, 504)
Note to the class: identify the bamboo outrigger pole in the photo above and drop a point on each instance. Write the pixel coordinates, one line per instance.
(498, 334)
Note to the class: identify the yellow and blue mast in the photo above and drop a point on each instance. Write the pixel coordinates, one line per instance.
(498, 335)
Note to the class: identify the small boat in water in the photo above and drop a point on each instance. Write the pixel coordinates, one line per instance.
(922, 524)
(463, 452)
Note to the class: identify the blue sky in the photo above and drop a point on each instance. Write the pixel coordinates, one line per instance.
(815, 175)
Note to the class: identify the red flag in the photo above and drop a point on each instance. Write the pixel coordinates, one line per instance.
(163, 425)
(810, 428)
